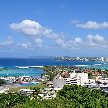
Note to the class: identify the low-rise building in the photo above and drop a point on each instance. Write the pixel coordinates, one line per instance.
(103, 80)
(59, 81)
(73, 78)
(26, 91)
(4, 90)
(77, 78)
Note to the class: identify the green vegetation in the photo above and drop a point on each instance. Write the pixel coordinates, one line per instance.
(1, 82)
(79, 97)
(89, 74)
(50, 72)
(37, 90)
(71, 96)
(10, 100)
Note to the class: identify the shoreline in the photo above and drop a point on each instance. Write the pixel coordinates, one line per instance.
(18, 71)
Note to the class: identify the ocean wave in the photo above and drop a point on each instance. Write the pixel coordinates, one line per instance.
(29, 66)
(21, 66)
(97, 64)
(81, 65)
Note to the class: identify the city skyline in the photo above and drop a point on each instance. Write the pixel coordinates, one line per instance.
(53, 28)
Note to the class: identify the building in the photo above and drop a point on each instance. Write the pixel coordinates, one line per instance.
(102, 59)
(26, 91)
(59, 81)
(25, 78)
(77, 78)
(73, 78)
(4, 90)
(103, 80)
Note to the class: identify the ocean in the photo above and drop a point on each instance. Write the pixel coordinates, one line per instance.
(12, 63)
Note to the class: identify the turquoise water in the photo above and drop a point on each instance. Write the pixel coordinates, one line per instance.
(21, 72)
(11, 64)
(36, 72)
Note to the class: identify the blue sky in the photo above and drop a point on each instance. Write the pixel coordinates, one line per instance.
(53, 28)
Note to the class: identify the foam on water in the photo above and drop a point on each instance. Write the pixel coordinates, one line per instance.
(81, 65)
(97, 64)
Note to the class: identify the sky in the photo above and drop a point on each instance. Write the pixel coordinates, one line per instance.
(53, 28)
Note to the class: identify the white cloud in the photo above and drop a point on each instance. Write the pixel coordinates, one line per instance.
(74, 21)
(97, 38)
(38, 33)
(23, 45)
(38, 42)
(60, 41)
(49, 33)
(7, 42)
(90, 37)
(97, 41)
(92, 25)
(33, 28)
(69, 44)
(28, 27)
(78, 40)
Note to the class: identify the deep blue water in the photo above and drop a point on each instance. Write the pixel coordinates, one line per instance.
(11, 64)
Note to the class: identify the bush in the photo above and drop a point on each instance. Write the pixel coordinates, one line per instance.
(2, 82)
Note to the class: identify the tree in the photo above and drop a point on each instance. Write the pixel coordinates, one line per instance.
(71, 96)
(99, 70)
(89, 74)
(2, 82)
(37, 90)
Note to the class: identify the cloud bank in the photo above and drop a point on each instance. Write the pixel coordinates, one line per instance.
(91, 25)
(38, 33)
(8, 42)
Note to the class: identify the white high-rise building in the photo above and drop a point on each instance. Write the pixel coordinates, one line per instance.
(102, 59)
(106, 59)
(77, 78)
(77, 58)
(74, 78)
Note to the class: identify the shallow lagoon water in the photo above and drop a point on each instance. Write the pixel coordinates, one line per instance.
(11, 64)
(22, 72)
